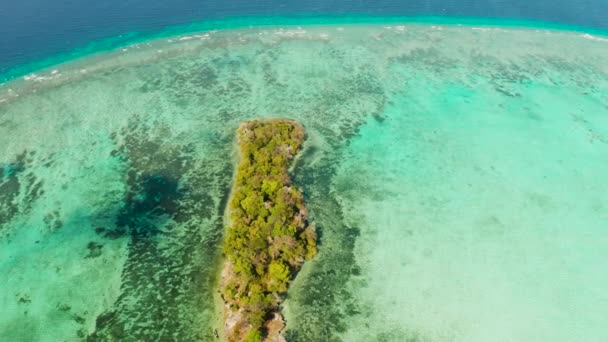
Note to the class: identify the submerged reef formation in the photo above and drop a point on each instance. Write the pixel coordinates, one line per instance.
(268, 238)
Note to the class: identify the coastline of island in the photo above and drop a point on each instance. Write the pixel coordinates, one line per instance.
(268, 237)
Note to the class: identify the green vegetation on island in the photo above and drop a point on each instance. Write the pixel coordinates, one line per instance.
(269, 237)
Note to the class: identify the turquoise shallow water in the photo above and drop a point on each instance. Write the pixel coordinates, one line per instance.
(232, 22)
(454, 174)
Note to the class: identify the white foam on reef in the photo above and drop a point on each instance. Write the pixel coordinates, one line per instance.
(53, 75)
(29, 77)
(298, 32)
(474, 172)
(481, 28)
(596, 38)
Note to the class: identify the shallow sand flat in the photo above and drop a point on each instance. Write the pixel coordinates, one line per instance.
(482, 217)
(454, 175)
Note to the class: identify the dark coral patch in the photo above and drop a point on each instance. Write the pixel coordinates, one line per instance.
(170, 213)
(94, 250)
(149, 198)
(19, 187)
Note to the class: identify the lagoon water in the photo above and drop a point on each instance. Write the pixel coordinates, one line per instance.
(455, 175)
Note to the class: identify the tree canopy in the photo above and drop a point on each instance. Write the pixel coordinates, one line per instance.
(269, 237)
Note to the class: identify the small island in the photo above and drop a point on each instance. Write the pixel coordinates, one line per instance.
(268, 237)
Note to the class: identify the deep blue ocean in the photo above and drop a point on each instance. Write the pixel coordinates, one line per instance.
(32, 30)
